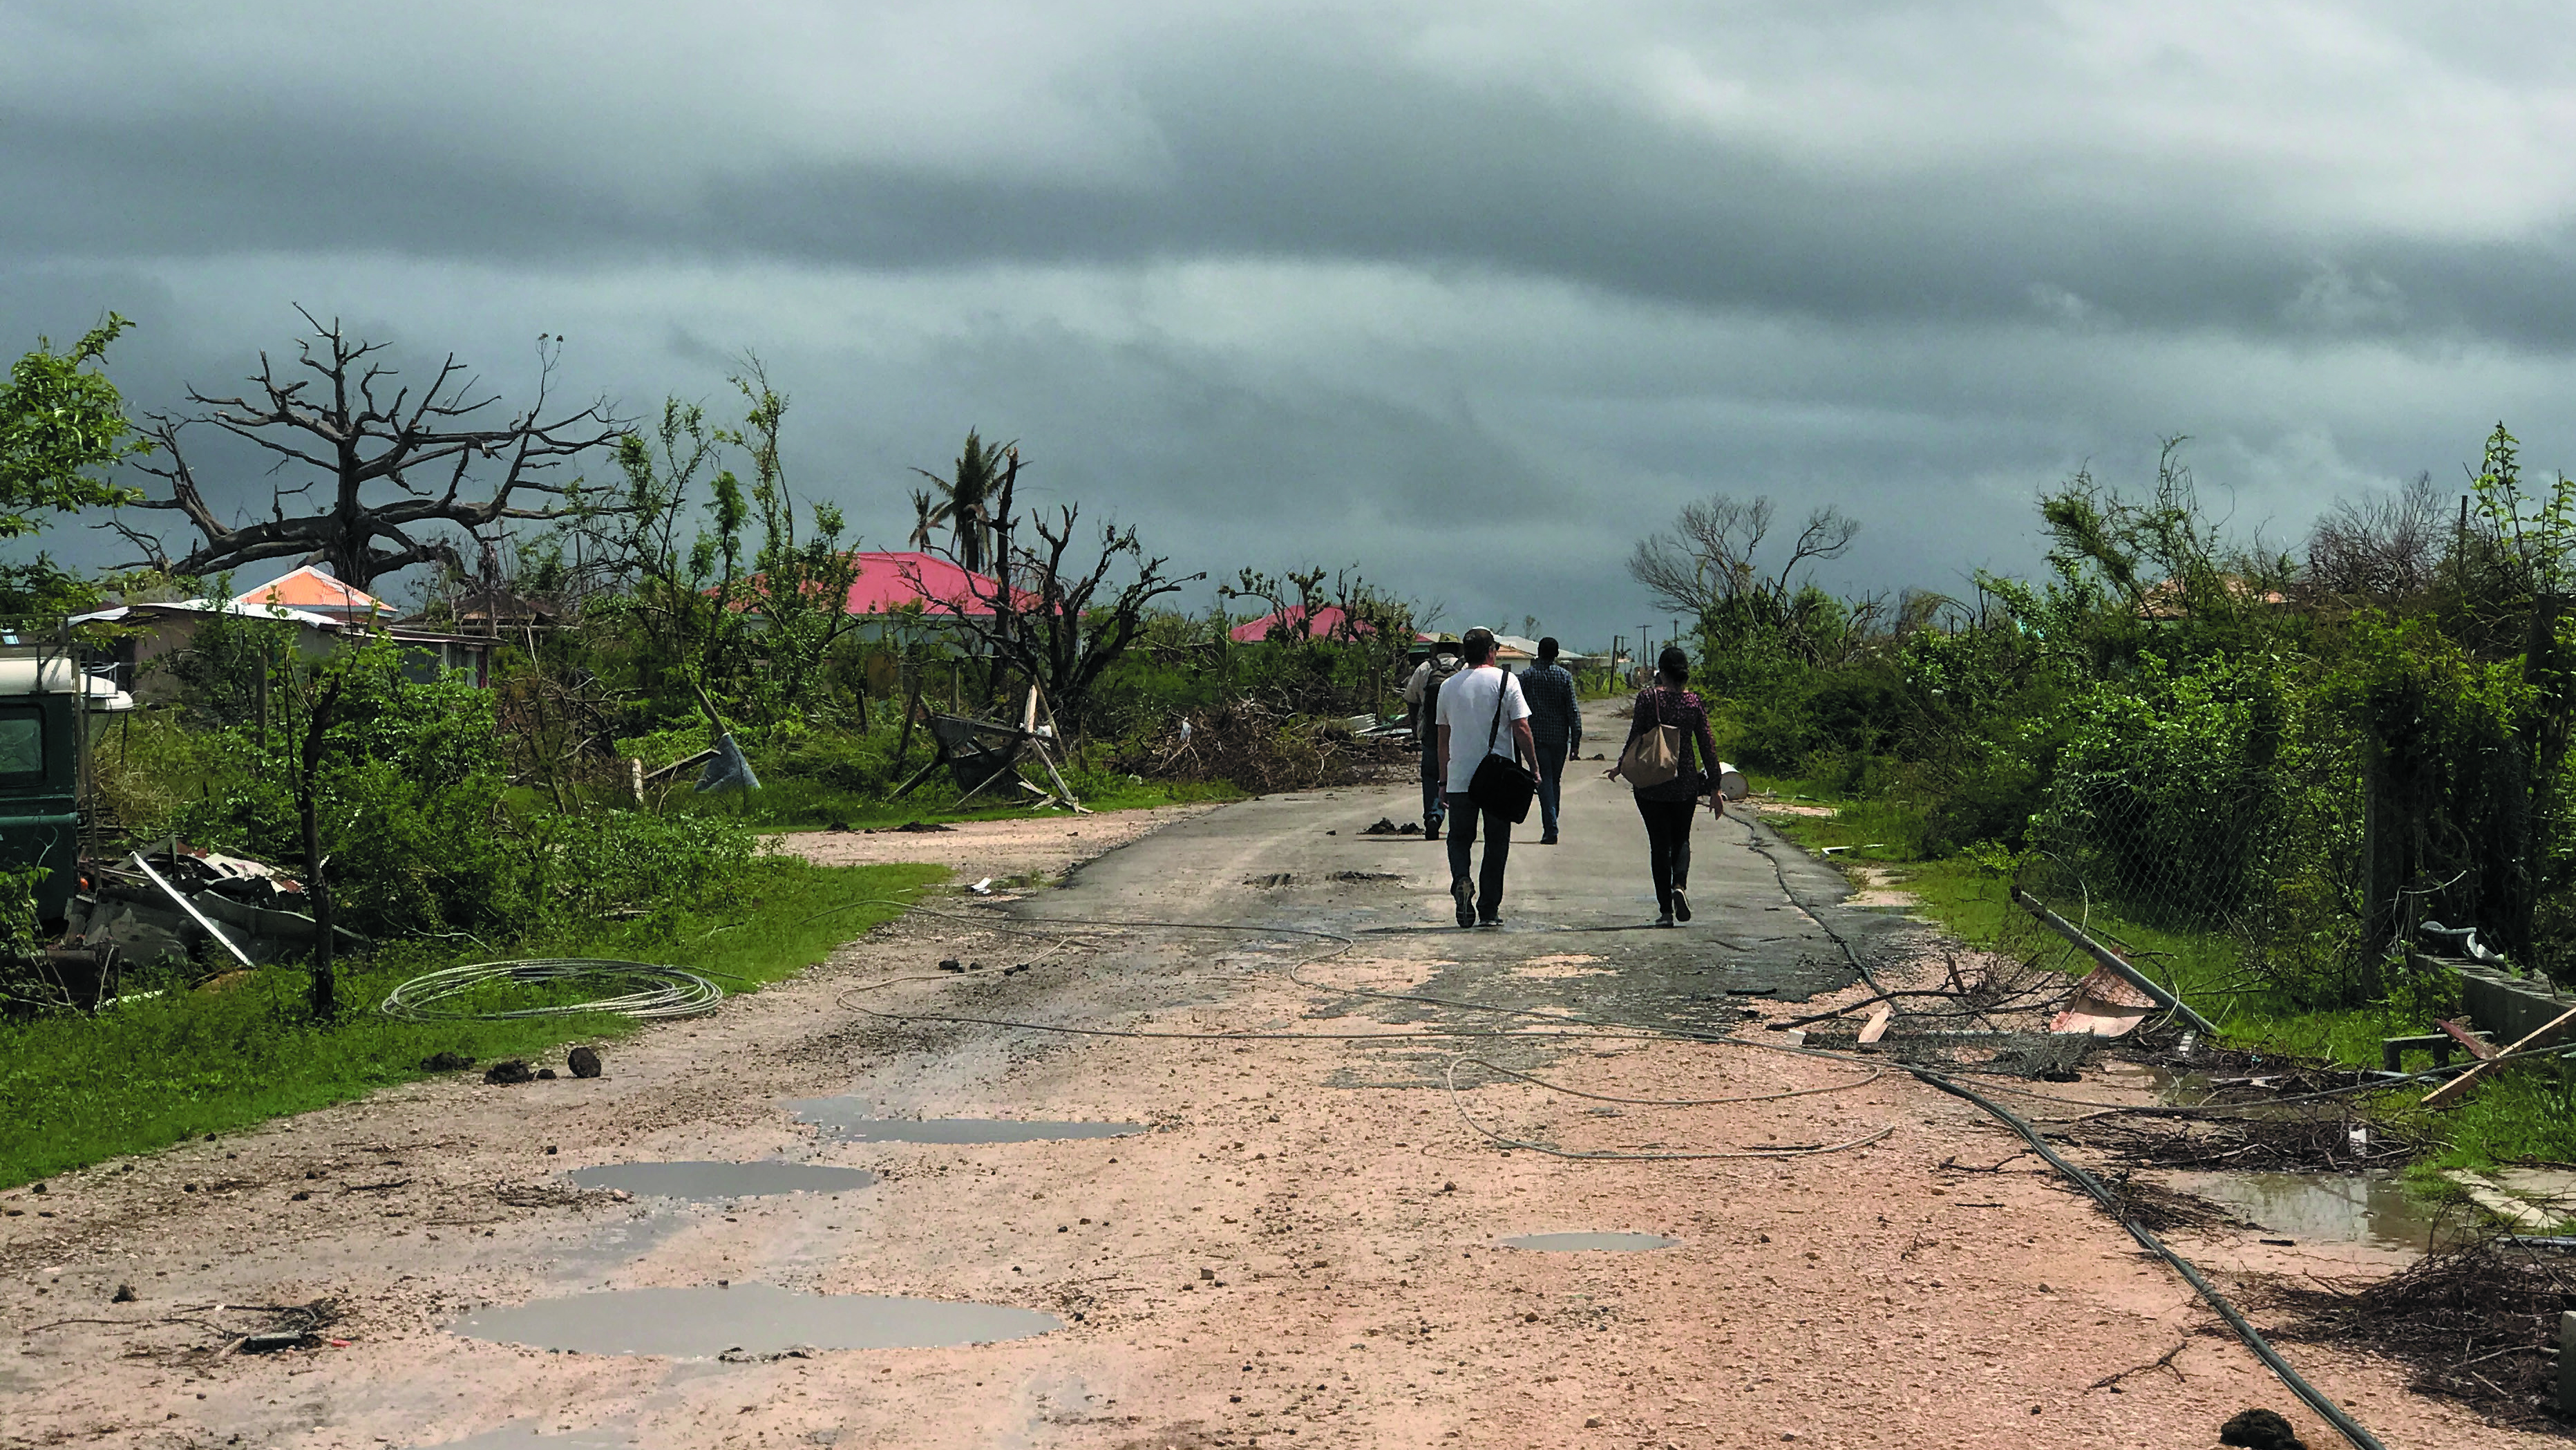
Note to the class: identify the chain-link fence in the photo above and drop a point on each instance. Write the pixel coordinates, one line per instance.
(2218, 885)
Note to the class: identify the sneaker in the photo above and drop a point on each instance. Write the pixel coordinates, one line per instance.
(1548, 840)
(1431, 832)
(1491, 921)
(1465, 895)
(1664, 920)
(1681, 905)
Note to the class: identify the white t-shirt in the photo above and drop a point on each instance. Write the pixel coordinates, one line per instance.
(1467, 708)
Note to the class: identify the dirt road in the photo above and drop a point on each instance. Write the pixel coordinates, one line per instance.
(1304, 1244)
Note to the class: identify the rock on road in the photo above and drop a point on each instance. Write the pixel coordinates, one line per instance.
(1305, 1246)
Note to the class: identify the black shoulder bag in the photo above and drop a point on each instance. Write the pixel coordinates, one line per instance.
(1501, 785)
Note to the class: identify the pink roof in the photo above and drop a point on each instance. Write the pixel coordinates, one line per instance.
(1325, 622)
(310, 588)
(890, 581)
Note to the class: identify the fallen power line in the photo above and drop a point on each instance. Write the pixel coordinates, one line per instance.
(665, 992)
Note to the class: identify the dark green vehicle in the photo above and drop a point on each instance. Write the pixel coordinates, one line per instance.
(48, 704)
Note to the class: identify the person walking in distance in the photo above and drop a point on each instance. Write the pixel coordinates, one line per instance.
(1556, 723)
(1482, 712)
(1422, 705)
(1668, 802)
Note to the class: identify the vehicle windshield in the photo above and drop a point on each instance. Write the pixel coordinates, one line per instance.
(22, 742)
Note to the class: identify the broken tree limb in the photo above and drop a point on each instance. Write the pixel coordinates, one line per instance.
(2540, 1036)
(194, 914)
(2112, 961)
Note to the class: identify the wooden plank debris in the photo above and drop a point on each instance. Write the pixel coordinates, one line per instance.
(2541, 1036)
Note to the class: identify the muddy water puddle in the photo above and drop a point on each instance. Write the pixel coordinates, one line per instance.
(851, 1119)
(1624, 1243)
(2341, 1208)
(710, 1182)
(756, 1319)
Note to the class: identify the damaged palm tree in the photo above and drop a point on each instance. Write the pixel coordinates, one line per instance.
(402, 470)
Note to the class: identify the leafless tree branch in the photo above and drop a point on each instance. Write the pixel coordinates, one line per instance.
(377, 519)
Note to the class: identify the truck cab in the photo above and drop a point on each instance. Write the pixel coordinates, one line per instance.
(49, 706)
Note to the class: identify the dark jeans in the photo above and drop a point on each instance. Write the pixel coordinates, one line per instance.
(1551, 784)
(1463, 815)
(1668, 827)
(1431, 791)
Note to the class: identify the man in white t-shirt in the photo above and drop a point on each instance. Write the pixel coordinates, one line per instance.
(1482, 712)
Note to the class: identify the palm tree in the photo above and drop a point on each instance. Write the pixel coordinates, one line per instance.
(965, 502)
(922, 519)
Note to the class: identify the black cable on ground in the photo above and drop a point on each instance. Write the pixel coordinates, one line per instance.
(2253, 1339)
(2316, 1399)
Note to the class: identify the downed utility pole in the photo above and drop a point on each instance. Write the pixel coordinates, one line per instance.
(2112, 962)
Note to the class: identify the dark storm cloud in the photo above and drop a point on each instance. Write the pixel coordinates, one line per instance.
(1276, 145)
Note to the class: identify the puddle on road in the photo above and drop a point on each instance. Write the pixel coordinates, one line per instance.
(848, 1118)
(2341, 1208)
(1626, 1243)
(701, 1323)
(707, 1182)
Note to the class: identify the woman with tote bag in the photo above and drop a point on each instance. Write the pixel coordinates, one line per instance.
(1671, 760)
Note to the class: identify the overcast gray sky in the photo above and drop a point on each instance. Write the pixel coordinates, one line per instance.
(1468, 294)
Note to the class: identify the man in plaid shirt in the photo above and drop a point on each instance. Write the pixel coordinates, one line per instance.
(1556, 720)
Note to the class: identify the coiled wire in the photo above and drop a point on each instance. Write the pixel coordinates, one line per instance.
(676, 993)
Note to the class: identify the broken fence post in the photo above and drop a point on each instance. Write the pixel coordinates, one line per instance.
(2112, 962)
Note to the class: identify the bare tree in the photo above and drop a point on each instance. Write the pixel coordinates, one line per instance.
(1706, 557)
(402, 471)
(2385, 548)
(1053, 620)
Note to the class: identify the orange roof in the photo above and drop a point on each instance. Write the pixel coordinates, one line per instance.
(310, 588)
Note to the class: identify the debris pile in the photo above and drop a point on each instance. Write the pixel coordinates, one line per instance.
(174, 900)
(1262, 750)
(2332, 1140)
(2477, 1323)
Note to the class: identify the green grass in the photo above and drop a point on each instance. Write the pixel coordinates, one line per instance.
(145, 1074)
(1965, 898)
(2528, 1114)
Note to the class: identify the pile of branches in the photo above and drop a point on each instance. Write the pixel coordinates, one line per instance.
(1252, 747)
(2474, 1323)
(2336, 1142)
(2165, 1209)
